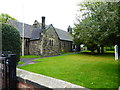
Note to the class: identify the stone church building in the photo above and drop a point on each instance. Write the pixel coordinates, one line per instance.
(45, 40)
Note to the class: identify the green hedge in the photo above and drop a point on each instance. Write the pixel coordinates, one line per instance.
(11, 40)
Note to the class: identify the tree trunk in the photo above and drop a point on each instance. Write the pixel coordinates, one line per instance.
(98, 50)
(78, 48)
(102, 49)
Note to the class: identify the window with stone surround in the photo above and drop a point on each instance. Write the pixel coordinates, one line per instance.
(51, 41)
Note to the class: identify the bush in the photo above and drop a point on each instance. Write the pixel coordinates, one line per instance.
(11, 40)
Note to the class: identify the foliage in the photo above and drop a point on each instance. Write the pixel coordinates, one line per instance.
(109, 48)
(11, 40)
(5, 17)
(99, 25)
(30, 56)
(90, 71)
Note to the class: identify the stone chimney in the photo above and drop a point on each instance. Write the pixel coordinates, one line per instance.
(69, 29)
(43, 22)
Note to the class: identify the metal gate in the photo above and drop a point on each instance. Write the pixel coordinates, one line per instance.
(8, 72)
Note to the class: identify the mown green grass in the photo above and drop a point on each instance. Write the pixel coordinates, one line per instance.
(90, 71)
(20, 62)
(30, 56)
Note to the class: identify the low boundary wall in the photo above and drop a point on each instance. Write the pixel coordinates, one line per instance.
(28, 79)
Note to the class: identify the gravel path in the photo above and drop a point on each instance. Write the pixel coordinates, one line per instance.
(27, 61)
(30, 60)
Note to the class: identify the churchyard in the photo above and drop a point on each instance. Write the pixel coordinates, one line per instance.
(84, 69)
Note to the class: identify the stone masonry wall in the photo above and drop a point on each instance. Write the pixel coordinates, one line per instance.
(34, 47)
(65, 46)
(50, 43)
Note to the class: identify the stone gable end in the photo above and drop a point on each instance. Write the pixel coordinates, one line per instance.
(51, 44)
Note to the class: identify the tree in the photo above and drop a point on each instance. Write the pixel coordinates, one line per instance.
(11, 39)
(84, 30)
(99, 25)
(5, 17)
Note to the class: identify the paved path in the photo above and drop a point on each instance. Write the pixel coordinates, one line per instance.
(30, 60)
(27, 61)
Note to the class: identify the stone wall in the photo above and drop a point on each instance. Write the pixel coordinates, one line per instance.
(65, 46)
(34, 47)
(50, 42)
(28, 80)
(47, 45)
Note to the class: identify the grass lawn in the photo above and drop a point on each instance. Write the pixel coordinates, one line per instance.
(20, 62)
(29, 56)
(90, 71)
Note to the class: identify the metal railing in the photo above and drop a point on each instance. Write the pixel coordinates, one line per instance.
(8, 71)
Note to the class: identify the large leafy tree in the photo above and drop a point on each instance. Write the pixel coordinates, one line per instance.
(99, 25)
(5, 17)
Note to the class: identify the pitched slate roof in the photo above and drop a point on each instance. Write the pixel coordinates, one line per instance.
(27, 28)
(34, 33)
(63, 35)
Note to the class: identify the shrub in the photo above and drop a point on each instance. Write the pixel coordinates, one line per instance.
(11, 40)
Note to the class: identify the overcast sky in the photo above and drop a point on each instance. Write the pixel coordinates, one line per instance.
(60, 13)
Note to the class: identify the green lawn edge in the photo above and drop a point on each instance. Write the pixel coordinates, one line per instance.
(30, 56)
(83, 69)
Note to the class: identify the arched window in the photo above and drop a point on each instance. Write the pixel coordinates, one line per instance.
(51, 41)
